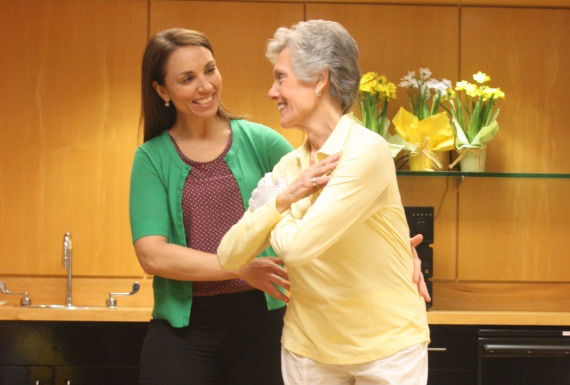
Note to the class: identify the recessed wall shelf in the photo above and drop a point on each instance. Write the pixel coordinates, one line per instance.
(458, 174)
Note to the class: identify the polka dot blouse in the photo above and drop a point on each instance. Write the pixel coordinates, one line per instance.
(211, 205)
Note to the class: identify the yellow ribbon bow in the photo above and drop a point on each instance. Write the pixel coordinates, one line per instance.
(423, 137)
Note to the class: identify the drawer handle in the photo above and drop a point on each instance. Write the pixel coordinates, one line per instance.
(437, 349)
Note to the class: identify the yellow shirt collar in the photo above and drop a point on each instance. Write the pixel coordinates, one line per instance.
(333, 144)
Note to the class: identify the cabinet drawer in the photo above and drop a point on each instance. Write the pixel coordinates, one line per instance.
(26, 375)
(453, 348)
(452, 377)
(90, 375)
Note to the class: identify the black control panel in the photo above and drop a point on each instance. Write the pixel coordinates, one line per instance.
(421, 221)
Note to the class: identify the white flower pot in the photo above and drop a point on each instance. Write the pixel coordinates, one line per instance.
(474, 160)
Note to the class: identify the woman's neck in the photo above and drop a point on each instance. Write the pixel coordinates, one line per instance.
(321, 125)
(186, 128)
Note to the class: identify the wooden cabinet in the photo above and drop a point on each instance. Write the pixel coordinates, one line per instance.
(452, 355)
(510, 232)
(70, 110)
(83, 353)
(26, 375)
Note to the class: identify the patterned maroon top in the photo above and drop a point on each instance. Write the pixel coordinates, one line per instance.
(211, 205)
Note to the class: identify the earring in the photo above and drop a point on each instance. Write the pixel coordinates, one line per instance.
(167, 104)
(317, 92)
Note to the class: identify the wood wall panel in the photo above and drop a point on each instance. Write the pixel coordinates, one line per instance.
(514, 230)
(527, 54)
(396, 39)
(519, 3)
(238, 33)
(511, 3)
(69, 107)
(481, 296)
(441, 194)
(70, 111)
(86, 291)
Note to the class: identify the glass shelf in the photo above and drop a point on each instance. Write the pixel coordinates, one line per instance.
(458, 174)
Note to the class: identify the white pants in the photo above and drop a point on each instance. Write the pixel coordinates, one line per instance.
(406, 367)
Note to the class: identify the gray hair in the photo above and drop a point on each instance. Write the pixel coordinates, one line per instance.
(317, 45)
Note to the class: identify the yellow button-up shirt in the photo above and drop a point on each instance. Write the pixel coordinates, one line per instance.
(347, 252)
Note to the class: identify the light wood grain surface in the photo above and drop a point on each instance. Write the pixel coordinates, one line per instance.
(239, 33)
(527, 54)
(69, 108)
(141, 314)
(514, 230)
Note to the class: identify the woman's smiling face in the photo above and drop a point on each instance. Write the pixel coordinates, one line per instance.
(296, 99)
(192, 82)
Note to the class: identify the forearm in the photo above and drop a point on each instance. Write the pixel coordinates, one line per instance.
(247, 238)
(282, 202)
(172, 261)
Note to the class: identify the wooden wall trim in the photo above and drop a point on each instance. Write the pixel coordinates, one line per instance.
(464, 3)
(502, 296)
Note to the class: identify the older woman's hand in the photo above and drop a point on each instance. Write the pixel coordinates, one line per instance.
(418, 277)
(310, 181)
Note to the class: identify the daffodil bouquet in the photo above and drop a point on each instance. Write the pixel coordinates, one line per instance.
(472, 107)
(424, 129)
(425, 93)
(375, 92)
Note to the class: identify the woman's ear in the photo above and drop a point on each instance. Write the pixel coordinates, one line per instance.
(161, 91)
(322, 81)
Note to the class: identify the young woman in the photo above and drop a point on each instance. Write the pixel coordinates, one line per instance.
(191, 181)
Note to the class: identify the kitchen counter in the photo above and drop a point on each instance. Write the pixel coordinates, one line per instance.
(463, 317)
(103, 314)
(143, 314)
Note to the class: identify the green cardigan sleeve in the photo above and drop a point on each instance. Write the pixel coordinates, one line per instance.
(148, 199)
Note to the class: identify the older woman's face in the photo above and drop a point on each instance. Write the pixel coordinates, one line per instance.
(296, 99)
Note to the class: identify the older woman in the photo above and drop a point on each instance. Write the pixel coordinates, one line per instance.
(354, 316)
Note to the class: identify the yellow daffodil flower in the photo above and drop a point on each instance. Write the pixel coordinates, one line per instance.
(449, 94)
(472, 90)
(473, 111)
(461, 86)
(481, 78)
(368, 77)
(499, 94)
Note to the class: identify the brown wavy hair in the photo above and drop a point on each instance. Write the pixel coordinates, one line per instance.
(155, 116)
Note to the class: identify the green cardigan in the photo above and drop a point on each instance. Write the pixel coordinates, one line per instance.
(157, 180)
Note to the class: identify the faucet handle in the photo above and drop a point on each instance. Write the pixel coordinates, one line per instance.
(67, 249)
(113, 302)
(25, 301)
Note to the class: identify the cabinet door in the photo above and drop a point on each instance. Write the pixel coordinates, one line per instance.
(69, 132)
(453, 355)
(96, 375)
(26, 375)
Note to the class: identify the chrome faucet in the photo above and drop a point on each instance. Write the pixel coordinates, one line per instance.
(67, 261)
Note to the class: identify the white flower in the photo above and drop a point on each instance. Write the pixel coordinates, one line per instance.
(447, 82)
(437, 86)
(432, 82)
(425, 73)
(409, 80)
